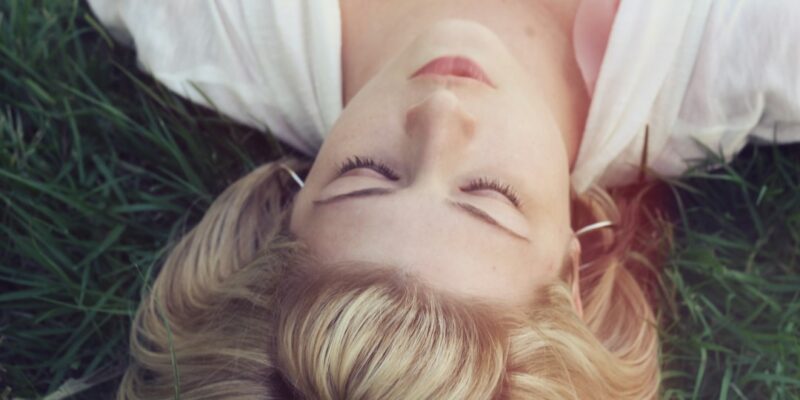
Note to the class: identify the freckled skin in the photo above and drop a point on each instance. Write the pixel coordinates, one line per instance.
(438, 133)
(530, 31)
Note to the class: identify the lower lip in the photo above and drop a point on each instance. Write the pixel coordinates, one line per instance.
(454, 66)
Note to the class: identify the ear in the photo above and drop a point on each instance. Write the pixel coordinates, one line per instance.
(575, 261)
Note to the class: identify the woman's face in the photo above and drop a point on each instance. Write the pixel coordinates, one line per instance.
(462, 182)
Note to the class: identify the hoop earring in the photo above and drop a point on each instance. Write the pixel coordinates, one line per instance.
(589, 229)
(294, 175)
(593, 227)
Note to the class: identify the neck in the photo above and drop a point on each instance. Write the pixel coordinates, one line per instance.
(538, 33)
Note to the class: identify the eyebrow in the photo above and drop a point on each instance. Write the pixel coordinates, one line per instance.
(469, 209)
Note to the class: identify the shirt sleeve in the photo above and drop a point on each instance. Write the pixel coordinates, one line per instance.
(745, 85)
(272, 65)
(646, 67)
(682, 80)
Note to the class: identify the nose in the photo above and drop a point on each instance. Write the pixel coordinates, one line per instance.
(438, 126)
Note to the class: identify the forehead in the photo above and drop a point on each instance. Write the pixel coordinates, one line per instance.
(443, 247)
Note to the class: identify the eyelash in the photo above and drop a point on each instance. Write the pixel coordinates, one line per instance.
(365, 162)
(476, 184)
(493, 184)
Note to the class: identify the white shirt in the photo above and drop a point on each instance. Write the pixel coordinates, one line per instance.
(696, 73)
(271, 64)
(702, 75)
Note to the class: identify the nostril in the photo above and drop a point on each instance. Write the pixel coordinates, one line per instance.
(468, 125)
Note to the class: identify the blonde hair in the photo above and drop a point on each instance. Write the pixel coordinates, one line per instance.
(241, 311)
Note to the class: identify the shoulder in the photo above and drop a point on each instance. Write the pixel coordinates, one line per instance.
(652, 47)
(274, 65)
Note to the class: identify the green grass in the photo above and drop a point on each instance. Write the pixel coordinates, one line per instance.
(733, 313)
(100, 168)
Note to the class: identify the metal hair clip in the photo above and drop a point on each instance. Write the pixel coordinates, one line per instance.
(294, 175)
(593, 227)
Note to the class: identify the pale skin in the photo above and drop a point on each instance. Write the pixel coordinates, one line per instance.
(421, 150)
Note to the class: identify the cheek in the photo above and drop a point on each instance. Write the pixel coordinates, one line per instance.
(360, 129)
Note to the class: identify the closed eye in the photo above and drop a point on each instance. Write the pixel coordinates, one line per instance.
(356, 162)
(493, 184)
(482, 183)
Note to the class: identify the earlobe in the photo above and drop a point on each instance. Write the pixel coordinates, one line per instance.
(575, 260)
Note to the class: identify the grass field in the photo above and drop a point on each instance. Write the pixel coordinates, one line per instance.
(101, 168)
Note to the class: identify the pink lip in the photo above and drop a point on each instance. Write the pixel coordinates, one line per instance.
(454, 66)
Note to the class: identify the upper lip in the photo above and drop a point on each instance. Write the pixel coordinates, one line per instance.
(454, 66)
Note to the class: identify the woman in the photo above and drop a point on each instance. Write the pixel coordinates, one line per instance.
(439, 254)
